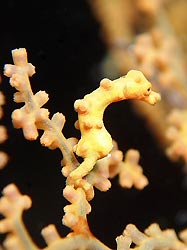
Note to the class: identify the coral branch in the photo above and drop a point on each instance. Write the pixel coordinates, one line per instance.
(176, 133)
(31, 116)
(130, 172)
(3, 133)
(75, 242)
(75, 214)
(153, 238)
(12, 205)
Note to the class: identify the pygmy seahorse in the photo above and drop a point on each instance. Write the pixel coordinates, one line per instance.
(96, 142)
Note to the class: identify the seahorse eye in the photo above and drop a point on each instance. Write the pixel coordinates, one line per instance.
(148, 91)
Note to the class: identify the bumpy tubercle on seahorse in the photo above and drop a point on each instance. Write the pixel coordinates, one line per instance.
(96, 142)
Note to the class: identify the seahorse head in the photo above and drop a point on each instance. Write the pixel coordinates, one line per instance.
(139, 88)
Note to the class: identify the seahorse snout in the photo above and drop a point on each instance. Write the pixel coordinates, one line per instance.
(153, 98)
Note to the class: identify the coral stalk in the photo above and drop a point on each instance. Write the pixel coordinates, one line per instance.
(31, 116)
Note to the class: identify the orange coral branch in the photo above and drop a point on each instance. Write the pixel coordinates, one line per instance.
(31, 116)
(176, 133)
(12, 205)
(3, 133)
(153, 238)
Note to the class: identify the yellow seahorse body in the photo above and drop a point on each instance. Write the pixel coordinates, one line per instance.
(96, 142)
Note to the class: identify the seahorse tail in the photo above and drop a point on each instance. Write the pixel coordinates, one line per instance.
(84, 168)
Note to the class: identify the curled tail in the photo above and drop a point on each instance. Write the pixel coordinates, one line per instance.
(84, 168)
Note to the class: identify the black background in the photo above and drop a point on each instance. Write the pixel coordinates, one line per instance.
(63, 41)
